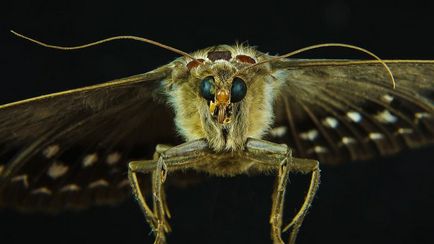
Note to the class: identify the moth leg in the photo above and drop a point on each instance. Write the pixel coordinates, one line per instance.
(274, 156)
(180, 157)
(161, 197)
(132, 176)
(139, 166)
(304, 166)
(159, 149)
(267, 154)
(158, 178)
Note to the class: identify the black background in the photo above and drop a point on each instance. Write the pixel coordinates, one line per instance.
(381, 201)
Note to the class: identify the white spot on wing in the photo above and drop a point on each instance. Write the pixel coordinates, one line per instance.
(421, 115)
(317, 149)
(89, 160)
(386, 117)
(346, 140)
(354, 116)
(309, 135)
(57, 170)
(51, 151)
(404, 131)
(98, 183)
(113, 158)
(387, 98)
(23, 178)
(278, 131)
(375, 136)
(330, 122)
(70, 187)
(42, 190)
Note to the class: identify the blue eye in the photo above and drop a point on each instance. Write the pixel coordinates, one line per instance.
(207, 88)
(238, 90)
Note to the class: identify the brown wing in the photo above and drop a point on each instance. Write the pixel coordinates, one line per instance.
(338, 111)
(71, 149)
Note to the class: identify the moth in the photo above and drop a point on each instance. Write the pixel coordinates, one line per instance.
(237, 111)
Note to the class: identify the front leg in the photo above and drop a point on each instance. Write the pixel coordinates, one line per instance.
(304, 166)
(278, 156)
(180, 157)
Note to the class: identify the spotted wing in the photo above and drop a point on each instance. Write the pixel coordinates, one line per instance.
(338, 111)
(71, 149)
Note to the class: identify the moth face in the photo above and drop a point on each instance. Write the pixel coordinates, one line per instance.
(221, 94)
(214, 98)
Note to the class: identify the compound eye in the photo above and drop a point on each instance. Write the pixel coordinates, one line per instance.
(238, 90)
(207, 88)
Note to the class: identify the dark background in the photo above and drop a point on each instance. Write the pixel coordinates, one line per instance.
(381, 201)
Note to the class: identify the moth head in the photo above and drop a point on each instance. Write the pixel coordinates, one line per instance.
(214, 100)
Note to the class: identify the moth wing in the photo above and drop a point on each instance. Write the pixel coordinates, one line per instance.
(70, 150)
(343, 110)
